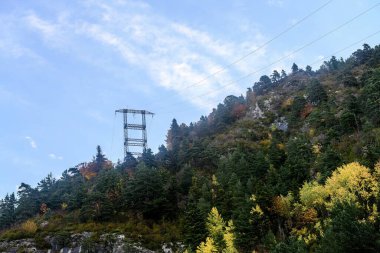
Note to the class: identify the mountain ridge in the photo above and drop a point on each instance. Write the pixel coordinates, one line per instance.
(269, 162)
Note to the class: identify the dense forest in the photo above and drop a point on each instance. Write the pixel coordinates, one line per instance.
(291, 166)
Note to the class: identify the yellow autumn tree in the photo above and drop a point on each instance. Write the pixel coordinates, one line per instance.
(352, 183)
(376, 172)
(229, 238)
(283, 205)
(207, 247)
(313, 194)
(215, 227)
(220, 236)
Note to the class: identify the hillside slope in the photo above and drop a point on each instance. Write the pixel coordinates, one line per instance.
(292, 166)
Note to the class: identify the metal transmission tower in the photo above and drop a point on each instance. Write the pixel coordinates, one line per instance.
(133, 142)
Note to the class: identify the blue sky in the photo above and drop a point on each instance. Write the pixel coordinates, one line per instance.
(66, 66)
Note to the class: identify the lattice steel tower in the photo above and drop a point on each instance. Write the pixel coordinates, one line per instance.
(133, 142)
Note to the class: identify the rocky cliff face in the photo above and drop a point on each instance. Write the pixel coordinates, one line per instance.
(82, 242)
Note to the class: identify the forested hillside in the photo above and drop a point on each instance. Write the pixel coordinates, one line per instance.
(291, 166)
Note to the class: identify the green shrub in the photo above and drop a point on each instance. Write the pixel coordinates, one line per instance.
(41, 243)
(88, 245)
(13, 234)
(63, 238)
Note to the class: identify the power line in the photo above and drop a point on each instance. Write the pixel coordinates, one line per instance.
(288, 55)
(222, 69)
(347, 47)
(315, 62)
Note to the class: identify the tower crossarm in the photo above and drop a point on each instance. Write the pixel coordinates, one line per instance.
(135, 126)
(135, 144)
(133, 111)
(135, 140)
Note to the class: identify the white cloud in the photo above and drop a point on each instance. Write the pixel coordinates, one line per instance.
(55, 157)
(110, 39)
(11, 45)
(204, 39)
(32, 143)
(179, 57)
(55, 33)
(47, 29)
(174, 55)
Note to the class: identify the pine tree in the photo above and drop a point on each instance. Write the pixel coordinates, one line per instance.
(7, 211)
(99, 159)
(130, 162)
(173, 137)
(28, 203)
(294, 68)
(194, 225)
(275, 77)
(283, 74)
(348, 232)
(148, 158)
(316, 92)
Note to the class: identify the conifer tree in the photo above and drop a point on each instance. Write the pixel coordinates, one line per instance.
(294, 68)
(283, 74)
(316, 92)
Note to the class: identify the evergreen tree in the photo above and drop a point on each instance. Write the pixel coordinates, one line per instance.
(265, 80)
(332, 64)
(296, 169)
(327, 162)
(309, 71)
(248, 225)
(148, 158)
(194, 225)
(370, 98)
(348, 233)
(361, 56)
(96, 207)
(316, 92)
(28, 204)
(45, 188)
(283, 74)
(130, 162)
(185, 181)
(292, 245)
(145, 193)
(7, 211)
(275, 77)
(295, 111)
(173, 137)
(276, 154)
(100, 159)
(162, 157)
(294, 68)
